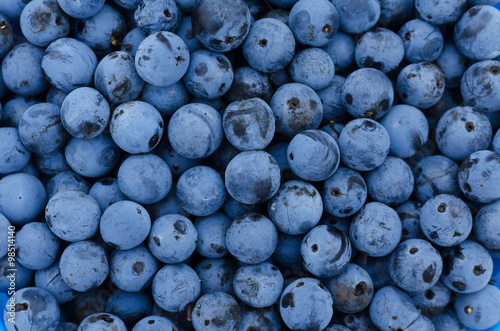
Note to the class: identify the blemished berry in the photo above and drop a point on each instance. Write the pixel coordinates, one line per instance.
(249, 165)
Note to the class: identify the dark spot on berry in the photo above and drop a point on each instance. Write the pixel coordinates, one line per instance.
(413, 250)
(429, 294)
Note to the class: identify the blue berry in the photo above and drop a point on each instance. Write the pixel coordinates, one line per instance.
(81, 9)
(249, 124)
(201, 191)
(326, 251)
(35, 308)
(153, 16)
(166, 99)
(486, 228)
(162, 59)
(216, 311)
(367, 93)
(77, 69)
(269, 46)
(65, 181)
(14, 155)
(479, 85)
(152, 323)
(297, 108)
(73, 215)
(479, 310)
(130, 307)
(249, 83)
(136, 127)
(85, 113)
(344, 193)
(452, 63)
(22, 70)
(434, 175)
(467, 267)
(212, 235)
(102, 322)
(195, 130)
(216, 275)
(423, 41)
(364, 144)
(36, 246)
(380, 49)
(117, 79)
(331, 97)
(51, 135)
(473, 33)
(341, 49)
(314, 22)
(6, 39)
(317, 147)
(415, 265)
(102, 31)
(50, 279)
(352, 289)
(145, 179)
(446, 220)
(209, 74)
(392, 182)
(124, 225)
(462, 131)
(408, 129)
(106, 192)
(258, 285)
(133, 270)
(132, 40)
(42, 22)
(357, 16)
(421, 84)
(22, 198)
(434, 300)
(92, 157)
(296, 208)
(312, 67)
(479, 177)
(391, 309)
